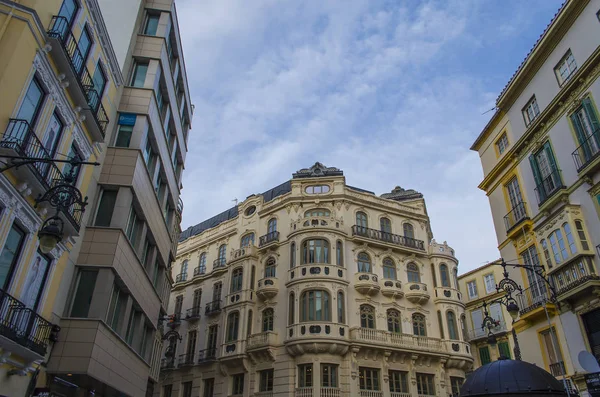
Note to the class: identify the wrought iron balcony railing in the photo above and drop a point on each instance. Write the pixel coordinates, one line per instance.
(209, 354)
(533, 297)
(388, 237)
(268, 238)
(587, 151)
(200, 270)
(185, 359)
(167, 363)
(193, 313)
(574, 274)
(24, 326)
(181, 277)
(219, 263)
(212, 308)
(515, 216)
(548, 186)
(558, 368)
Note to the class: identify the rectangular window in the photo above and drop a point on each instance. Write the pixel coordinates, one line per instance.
(178, 305)
(209, 387)
(167, 390)
(52, 135)
(138, 78)
(537, 286)
(237, 384)
(455, 385)
(124, 136)
(490, 283)
(368, 378)
(586, 125)
(555, 359)
(68, 10)
(565, 68)
(517, 207)
(118, 303)
(398, 382)
(84, 292)
(187, 389)
(191, 345)
(502, 143)
(85, 44)
(504, 349)
(134, 228)
(472, 288)
(545, 172)
(305, 375)
(531, 111)
(99, 84)
(145, 341)
(477, 319)
(266, 380)
(151, 24)
(106, 207)
(133, 325)
(329, 375)
(32, 103)
(36, 280)
(425, 384)
(212, 339)
(9, 257)
(484, 355)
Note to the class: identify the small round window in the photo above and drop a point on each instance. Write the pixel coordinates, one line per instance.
(317, 189)
(250, 210)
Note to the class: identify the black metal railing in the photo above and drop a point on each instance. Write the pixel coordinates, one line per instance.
(60, 30)
(268, 238)
(558, 368)
(200, 270)
(207, 354)
(193, 313)
(533, 297)
(167, 363)
(515, 216)
(181, 278)
(548, 186)
(25, 326)
(219, 263)
(574, 274)
(212, 307)
(179, 206)
(587, 151)
(185, 359)
(388, 237)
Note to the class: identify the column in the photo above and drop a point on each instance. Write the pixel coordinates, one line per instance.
(102, 293)
(317, 378)
(123, 207)
(139, 133)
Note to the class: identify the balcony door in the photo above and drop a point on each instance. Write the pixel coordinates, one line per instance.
(211, 343)
(586, 126)
(83, 49)
(36, 280)
(516, 200)
(68, 10)
(9, 256)
(545, 172)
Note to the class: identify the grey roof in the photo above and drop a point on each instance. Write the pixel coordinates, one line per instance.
(399, 194)
(511, 378)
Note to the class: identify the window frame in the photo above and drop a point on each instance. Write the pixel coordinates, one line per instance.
(445, 275)
(425, 384)
(17, 254)
(305, 306)
(233, 326)
(394, 321)
(419, 323)
(485, 283)
(268, 319)
(531, 103)
(413, 273)
(565, 61)
(398, 381)
(367, 317)
(305, 375)
(237, 384)
(501, 144)
(363, 263)
(329, 375)
(369, 379)
(237, 280)
(266, 377)
(389, 269)
(473, 283)
(323, 258)
(317, 189)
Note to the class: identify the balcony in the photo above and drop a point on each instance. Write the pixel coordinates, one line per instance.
(317, 337)
(548, 187)
(267, 288)
(573, 280)
(480, 333)
(268, 238)
(71, 62)
(387, 339)
(193, 313)
(219, 263)
(174, 320)
(23, 331)
(373, 393)
(260, 346)
(20, 140)
(517, 215)
(207, 355)
(417, 293)
(367, 283)
(532, 301)
(447, 295)
(233, 350)
(167, 364)
(392, 289)
(303, 392)
(314, 271)
(248, 251)
(331, 392)
(185, 360)
(180, 278)
(587, 152)
(558, 369)
(199, 271)
(388, 238)
(212, 308)
(246, 295)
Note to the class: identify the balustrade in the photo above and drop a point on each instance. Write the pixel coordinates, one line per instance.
(268, 239)
(367, 283)
(207, 355)
(417, 293)
(390, 238)
(515, 216)
(587, 151)
(330, 392)
(213, 308)
(316, 270)
(304, 392)
(268, 338)
(243, 252)
(267, 288)
(378, 337)
(371, 393)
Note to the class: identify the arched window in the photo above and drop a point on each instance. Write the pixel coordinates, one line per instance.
(268, 316)
(222, 255)
(317, 212)
(315, 306)
(386, 225)
(581, 235)
(389, 269)
(409, 231)
(272, 226)
(367, 316)
(270, 267)
(340, 307)
(445, 275)
(433, 275)
(452, 328)
(247, 240)
(393, 320)
(249, 325)
(184, 267)
(558, 246)
(361, 221)
(236, 279)
(202, 263)
(339, 253)
(412, 270)
(439, 316)
(292, 254)
(315, 251)
(291, 312)
(546, 254)
(364, 263)
(419, 326)
(570, 239)
(233, 321)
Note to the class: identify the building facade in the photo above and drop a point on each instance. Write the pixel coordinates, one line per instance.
(315, 288)
(539, 154)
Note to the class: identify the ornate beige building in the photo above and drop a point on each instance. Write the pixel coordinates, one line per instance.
(315, 288)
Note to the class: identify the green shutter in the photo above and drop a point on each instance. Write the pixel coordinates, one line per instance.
(591, 113)
(504, 349)
(538, 178)
(579, 130)
(484, 355)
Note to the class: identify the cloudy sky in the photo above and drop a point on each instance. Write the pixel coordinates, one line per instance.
(392, 92)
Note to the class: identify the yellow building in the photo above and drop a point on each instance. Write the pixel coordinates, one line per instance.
(539, 154)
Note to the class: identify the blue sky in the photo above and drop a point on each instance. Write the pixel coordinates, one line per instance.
(391, 92)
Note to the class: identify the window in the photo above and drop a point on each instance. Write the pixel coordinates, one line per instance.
(455, 273)
(433, 275)
(139, 74)
(581, 235)
(389, 269)
(209, 387)
(292, 254)
(237, 382)
(452, 328)
(445, 275)
(425, 384)
(531, 111)
(305, 375)
(168, 390)
(211, 343)
(545, 172)
(83, 295)
(232, 326)
(250, 210)
(184, 269)
(202, 263)
(490, 283)
(394, 321)
(419, 326)
(386, 225)
(409, 230)
(222, 255)
(106, 207)
(9, 256)
(439, 316)
(187, 389)
(361, 221)
(134, 227)
(586, 125)
(272, 226)
(291, 307)
(455, 385)
(537, 285)
(484, 355)
(502, 143)
(134, 318)
(124, 136)
(249, 325)
(267, 323)
(99, 84)
(314, 306)
(546, 253)
(217, 287)
(558, 246)
(317, 212)
(71, 169)
(367, 316)
(368, 378)
(570, 239)
(412, 270)
(315, 251)
(247, 240)
(364, 263)
(565, 68)
(472, 289)
(317, 189)
(340, 307)
(329, 375)
(84, 45)
(339, 253)
(270, 268)
(398, 382)
(116, 309)
(68, 10)
(236, 279)
(555, 359)
(266, 380)
(52, 135)
(32, 103)
(504, 349)
(151, 24)
(35, 281)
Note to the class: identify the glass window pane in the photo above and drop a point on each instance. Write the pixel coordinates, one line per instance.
(31, 103)
(83, 296)
(139, 74)
(10, 255)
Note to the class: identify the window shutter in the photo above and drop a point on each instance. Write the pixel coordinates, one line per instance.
(550, 155)
(537, 176)
(591, 114)
(503, 349)
(578, 129)
(484, 355)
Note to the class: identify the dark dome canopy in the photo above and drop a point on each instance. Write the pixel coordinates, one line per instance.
(511, 378)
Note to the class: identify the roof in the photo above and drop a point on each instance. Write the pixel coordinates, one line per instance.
(400, 194)
(317, 170)
(511, 378)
